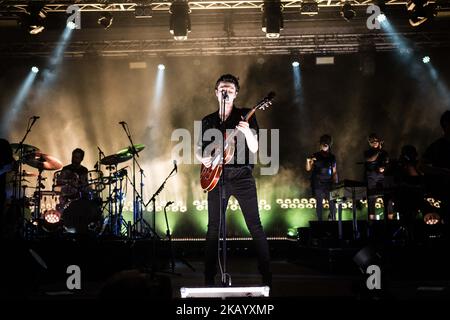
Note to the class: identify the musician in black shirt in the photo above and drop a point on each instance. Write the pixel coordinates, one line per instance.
(376, 160)
(74, 177)
(238, 178)
(324, 174)
(436, 166)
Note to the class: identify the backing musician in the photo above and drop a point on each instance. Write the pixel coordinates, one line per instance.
(74, 177)
(436, 166)
(324, 174)
(376, 161)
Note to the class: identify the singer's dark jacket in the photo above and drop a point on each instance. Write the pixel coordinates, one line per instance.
(242, 156)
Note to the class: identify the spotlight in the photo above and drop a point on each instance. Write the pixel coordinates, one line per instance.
(180, 21)
(431, 218)
(161, 66)
(34, 19)
(105, 20)
(309, 7)
(71, 25)
(292, 232)
(143, 11)
(426, 59)
(347, 11)
(51, 221)
(35, 69)
(420, 11)
(272, 18)
(295, 64)
(381, 18)
(52, 216)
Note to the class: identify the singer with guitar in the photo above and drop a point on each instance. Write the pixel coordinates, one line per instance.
(237, 174)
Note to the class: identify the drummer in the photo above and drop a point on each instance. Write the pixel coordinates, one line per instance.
(76, 171)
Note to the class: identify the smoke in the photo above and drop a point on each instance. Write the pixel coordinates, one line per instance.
(83, 106)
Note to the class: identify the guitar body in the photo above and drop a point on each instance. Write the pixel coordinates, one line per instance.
(209, 177)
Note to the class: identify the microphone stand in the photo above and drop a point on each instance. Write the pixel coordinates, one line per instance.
(169, 238)
(153, 200)
(18, 192)
(225, 278)
(136, 213)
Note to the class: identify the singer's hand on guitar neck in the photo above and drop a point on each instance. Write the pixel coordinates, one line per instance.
(252, 142)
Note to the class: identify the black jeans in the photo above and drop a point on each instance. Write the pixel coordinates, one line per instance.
(321, 193)
(375, 187)
(239, 182)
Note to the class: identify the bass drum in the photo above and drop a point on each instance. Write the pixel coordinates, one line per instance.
(82, 216)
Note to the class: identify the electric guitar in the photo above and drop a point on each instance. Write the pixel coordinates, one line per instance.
(209, 177)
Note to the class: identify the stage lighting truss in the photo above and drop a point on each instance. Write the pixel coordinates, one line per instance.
(309, 7)
(419, 11)
(272, 18)
(143, 11)
(180, 20)
(160, 5)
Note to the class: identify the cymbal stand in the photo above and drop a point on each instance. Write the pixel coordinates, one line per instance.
(37, 202)
(135, 154)
(140, 226)
(119, 203)
(115, 200)
(110, 198)
(18, 193)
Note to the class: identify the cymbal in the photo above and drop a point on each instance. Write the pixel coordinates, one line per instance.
(26, 148)
(129, 150)
(115, 159)
(43, 161)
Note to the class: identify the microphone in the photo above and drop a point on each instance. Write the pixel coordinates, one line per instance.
(224, 94)
(34, 118)
(169, 203)
(175, 165)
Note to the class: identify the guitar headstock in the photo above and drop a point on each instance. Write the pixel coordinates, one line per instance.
(267, 101)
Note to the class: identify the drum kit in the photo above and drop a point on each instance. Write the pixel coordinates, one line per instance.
(75, 204)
